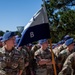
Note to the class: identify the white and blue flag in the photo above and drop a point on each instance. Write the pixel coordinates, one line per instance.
(36, 29)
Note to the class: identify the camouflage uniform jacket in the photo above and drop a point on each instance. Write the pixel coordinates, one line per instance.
(44, 54)
(58, 49)
(26, 59)
(25, 55)
(69, 65)
(10, 62)
(63, 55)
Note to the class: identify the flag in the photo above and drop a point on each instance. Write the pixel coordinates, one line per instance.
(36, 29)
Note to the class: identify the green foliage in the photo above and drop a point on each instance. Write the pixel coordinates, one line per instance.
(61, 18)
(1, 33)
(68, 18)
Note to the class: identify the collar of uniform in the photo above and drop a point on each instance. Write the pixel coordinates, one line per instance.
(2, 50)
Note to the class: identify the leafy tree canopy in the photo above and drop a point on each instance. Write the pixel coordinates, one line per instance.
(61, 15)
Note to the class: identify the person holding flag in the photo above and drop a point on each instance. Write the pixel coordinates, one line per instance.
(37, 28)
(44, 59)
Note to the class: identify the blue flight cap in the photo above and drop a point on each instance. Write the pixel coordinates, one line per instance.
(69, 41)
(42, 41)
(61, 42)
(7, 36)
(66, 37)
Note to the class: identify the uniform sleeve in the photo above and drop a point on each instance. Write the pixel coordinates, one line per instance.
(21, 62)
(61, 57)
(67, 67)
(37, 56)
(26, 56)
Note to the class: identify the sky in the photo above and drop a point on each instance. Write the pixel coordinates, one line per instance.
(15, 13)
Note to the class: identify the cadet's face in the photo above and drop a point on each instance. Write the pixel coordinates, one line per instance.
(46, 44)
(11, 41)
(72, 46)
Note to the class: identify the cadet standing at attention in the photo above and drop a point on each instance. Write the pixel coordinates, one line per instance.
(43, 59)
(11, 62)
(66, 52)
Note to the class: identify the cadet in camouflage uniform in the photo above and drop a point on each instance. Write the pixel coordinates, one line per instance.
(43, 59)
(65, 53)
(33, 60)
(11, 61)
(24, 53)
(26, 60)
(60, 46)
(69, 66)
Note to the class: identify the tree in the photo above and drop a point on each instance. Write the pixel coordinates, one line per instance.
(1, 33)
(61, 15)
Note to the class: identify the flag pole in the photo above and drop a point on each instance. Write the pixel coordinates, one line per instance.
(53, 60)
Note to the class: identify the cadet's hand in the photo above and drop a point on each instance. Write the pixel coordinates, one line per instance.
(49, 62)
(43, 61)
